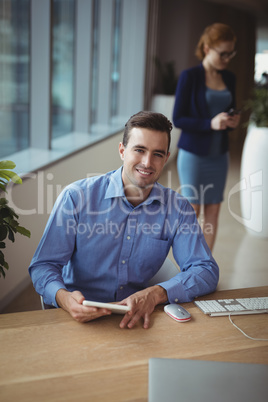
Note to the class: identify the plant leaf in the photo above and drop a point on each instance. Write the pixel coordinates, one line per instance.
(11, 234)
(23, 231)
(9, 175)
(2, 266)
(2, 258)
(3, 201)
(11, 222)
(7, 164)
(4, 212)
(3, 187)
(2, 272)
(3, 232)
(11, 212)
(9, 225)
(4, 175)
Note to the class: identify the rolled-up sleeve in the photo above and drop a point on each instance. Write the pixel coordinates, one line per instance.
(199, 272)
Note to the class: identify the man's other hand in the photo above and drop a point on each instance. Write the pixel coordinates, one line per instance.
(142, 305)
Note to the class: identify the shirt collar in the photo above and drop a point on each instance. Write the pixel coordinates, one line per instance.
(115, 189)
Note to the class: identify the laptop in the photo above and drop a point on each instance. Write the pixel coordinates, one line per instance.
(179, 380)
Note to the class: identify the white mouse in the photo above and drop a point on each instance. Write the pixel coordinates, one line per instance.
(177, 312)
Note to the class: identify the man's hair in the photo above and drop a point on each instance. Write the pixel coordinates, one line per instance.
(212, 35)
(149, 120)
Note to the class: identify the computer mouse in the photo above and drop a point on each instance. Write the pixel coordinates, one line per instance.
(177, 312)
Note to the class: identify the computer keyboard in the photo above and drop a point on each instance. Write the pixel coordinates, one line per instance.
(251, 305)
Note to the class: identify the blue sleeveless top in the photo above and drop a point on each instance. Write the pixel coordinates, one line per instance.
(218, 101)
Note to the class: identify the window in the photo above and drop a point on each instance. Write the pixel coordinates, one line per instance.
(95, 62)
(261, 56)
(14, 75)
(116, 47)
(63, 28)
(72, 73)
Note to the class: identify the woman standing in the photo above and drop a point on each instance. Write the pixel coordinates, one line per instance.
(204, 95)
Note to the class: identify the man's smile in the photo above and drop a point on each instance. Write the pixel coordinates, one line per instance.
(144, 172)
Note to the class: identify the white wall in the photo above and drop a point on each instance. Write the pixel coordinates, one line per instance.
(34, 199)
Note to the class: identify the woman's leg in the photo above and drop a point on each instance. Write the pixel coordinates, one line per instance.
(210, 225)
(196, 207)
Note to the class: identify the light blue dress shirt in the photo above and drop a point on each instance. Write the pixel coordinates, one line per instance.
(95, 241)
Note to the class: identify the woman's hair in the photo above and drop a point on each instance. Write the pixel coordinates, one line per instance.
(149, 120)
(212, 35)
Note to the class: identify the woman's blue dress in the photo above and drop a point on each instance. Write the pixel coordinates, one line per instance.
(203, 178)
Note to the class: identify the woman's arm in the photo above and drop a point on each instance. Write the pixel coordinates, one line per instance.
(189, 112)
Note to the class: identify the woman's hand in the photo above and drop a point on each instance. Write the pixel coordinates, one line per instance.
(233, 121)
(222, 121)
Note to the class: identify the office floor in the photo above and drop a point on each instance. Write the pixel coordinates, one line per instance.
(242, 258)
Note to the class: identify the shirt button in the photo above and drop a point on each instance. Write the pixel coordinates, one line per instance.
(121, 287)
(123, 261)
(176, 300)
(128, 237)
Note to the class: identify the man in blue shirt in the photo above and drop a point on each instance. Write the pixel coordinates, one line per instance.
(107, 236)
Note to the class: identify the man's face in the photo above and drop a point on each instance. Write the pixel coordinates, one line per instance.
(144, 157)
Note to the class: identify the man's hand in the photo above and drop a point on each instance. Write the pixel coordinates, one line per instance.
(142, 305)
(72, 303)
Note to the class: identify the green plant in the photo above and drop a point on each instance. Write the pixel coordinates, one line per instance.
(258, 103)
(9, 224)
(168, 76)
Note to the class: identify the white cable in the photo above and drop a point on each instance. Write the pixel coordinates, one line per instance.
(254, 339)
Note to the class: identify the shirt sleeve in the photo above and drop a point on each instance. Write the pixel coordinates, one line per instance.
(199, 272)
(55, 249)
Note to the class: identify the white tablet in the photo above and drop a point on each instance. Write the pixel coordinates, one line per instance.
(115, 308)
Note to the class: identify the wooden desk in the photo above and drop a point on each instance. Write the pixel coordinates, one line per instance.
(47, 356)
